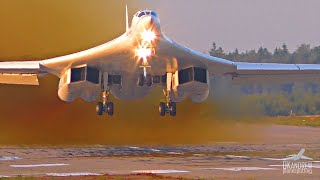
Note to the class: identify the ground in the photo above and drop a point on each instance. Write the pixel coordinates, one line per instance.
(216, 160)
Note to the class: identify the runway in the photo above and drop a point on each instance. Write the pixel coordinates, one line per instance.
(218, 160)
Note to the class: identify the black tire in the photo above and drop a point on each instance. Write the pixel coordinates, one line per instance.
(99, 108)
(173, 109)
(162, 109)
(141, 80)
(110, 108)
(149, 80)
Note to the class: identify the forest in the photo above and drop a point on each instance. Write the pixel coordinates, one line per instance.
(279, 100)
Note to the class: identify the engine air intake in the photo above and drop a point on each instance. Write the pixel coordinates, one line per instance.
(192, 74)
(85, 74)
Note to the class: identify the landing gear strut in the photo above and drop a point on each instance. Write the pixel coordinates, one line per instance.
(105, 106)
(168, 106)
(145, 80)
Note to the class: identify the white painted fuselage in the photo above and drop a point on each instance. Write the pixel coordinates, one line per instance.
(127, 64)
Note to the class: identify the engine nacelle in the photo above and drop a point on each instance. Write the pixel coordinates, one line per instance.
(192, 82)
(83, 82)
(200, 96)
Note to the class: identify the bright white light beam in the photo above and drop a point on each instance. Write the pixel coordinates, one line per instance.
(143, 52)
(148, 36)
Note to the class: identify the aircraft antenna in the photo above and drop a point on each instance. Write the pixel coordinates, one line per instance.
(127, 19)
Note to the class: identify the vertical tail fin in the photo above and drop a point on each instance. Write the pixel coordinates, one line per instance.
(127, 19)
(301, 152)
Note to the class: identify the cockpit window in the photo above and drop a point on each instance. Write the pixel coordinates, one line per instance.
(154, 14)
(141, 14)
(147, 12)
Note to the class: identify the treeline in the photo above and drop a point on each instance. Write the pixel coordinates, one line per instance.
(304, 54)
(285, 99)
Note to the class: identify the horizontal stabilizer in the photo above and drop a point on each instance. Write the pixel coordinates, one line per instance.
(21, 79)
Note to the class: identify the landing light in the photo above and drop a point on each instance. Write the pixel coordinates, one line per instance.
(143, 52)
(148, 36)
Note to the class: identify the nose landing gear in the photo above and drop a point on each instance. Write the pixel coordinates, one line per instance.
(145, 79)
(105, 106)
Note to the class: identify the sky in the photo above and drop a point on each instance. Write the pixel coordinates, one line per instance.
(37, 29)
(242, 24)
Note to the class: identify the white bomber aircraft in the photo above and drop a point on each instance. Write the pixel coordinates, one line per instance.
(293, 157)
(130, 66)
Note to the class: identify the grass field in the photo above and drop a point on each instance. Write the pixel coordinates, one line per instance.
(312, 121)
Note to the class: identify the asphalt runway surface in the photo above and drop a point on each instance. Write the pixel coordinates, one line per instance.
(218, 160)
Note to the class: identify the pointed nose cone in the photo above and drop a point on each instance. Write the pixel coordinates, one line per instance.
(148, 21)
(151, 22)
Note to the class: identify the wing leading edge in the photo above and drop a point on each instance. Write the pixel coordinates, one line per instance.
(248, 73)
(23, 73)
(27, 72)
(187, 57)
(244, 72)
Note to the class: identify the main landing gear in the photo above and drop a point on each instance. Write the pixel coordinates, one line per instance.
(105, 106)
(168, 106)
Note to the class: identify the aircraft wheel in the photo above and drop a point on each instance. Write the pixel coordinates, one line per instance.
(110, 108)
(162, 109)
(99, 108)
(149, 80)
(173, 109)
(140, 80)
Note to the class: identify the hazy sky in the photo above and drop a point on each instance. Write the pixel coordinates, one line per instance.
(38, 29)
(243, 24)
